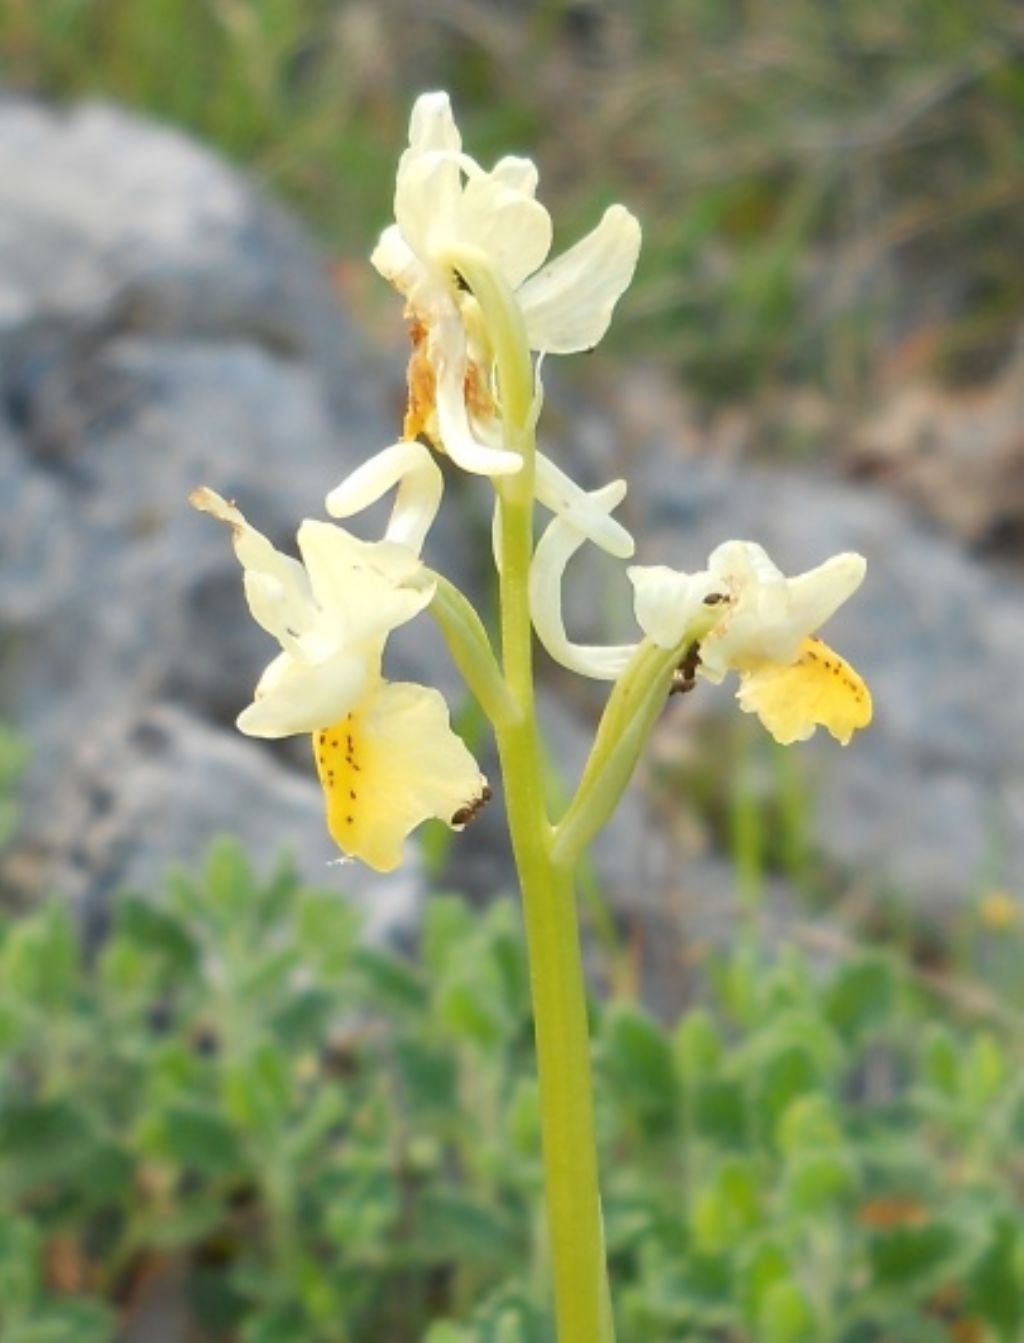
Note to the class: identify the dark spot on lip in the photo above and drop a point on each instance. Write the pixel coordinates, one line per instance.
(713, 598)
(461, 283)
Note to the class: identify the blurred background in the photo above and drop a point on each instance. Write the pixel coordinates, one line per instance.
(822, 350)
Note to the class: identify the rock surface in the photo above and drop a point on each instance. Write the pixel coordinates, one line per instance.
(162, 325)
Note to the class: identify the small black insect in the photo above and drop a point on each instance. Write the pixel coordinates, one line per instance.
(472, 809)
(684, 678)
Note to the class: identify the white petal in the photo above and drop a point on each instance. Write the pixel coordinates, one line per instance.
(411, 467)
(428, 183)
(668, 603)
(396, 261)
(554, 551)
(568, 305)
(770, 615)
(587, 511)
(517, 173)
(448, 356)
(509, 226)
(294, 697)
(272, 606)
(278, 589)
(819, 593)
(428, 193)
(740, 563)
(432, 124)
(359, 585)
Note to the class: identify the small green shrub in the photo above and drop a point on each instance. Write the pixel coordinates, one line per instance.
(319, 1140)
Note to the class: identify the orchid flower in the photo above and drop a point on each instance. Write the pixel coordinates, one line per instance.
(385, 752)
(742, 614)
(766, 632)
(446, 203)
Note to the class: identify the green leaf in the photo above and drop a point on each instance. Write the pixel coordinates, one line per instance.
(728, 1208)
(303, 1018)
(195, 1137)
(446, 1332)
(429, 1077)
(80, 1321)
(720, 1113)
(11, 1027)
(467, 1008)
(785, 1315)
(523, 1117)
(636, 1062)
(157, 931)
(390, 981)
(808, 1121)
(696, 1047)
(230, 884)
(761, 1267)
(940, 1063)
(43, 1140)
(451, 1226)
(996, 1284)
(278, 1324)
(39, 962)
(984, 1071)
(448, 924)
(861, 997)
(786, 1074)
(20, 1263)
(817, 1180)
(327, 929)
(267, 976)
(258, 1089)
(913, 1256)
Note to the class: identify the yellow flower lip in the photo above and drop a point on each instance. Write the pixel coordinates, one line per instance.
(818, 689)
(385, 753)
(389, 764)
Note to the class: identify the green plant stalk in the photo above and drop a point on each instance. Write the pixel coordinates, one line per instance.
(582, 1299)
(470, 648)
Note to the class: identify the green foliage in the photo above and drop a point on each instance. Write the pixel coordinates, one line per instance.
(320, 1140)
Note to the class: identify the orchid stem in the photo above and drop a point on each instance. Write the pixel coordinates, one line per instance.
(582, 1299)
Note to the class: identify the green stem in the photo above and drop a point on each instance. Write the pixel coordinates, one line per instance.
(634, 704)
(582, 1301)
(467, 641)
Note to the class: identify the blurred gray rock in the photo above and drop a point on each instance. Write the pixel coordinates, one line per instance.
(161, 325)
(149, 790)
(110, 223)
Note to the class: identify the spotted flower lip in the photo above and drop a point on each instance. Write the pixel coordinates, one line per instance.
(445, 202)
(385, 752)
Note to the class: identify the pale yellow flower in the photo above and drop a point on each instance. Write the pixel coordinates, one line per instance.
(446, 203)
(766, 631)
(385, 752)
